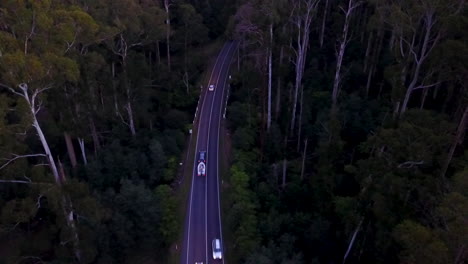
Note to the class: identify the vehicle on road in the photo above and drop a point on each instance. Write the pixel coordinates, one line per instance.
(198, 262)
(201, 167)
(217, 252)
(211, 87)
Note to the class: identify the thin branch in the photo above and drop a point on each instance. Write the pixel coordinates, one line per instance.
(426, 86)
(15, 157)
(410, 164)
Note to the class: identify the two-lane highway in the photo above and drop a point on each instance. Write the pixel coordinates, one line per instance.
(203, 221)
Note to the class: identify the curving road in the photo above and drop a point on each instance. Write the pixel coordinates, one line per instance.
(203, 220)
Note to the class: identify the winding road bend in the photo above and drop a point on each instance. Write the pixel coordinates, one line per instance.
(203, 219)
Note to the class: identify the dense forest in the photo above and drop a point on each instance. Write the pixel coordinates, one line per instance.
(347, 121)
(96, 99)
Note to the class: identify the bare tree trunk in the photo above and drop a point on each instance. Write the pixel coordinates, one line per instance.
(429, 21)
(285, 163)
(70, 149)
(457, 141)
(168, 33)
(343, 43)
(302, 22)
(59, 179)
(304, 159)
(322, 31)
(353, 238)
(83, 151)
(131, 124)
(270, 52)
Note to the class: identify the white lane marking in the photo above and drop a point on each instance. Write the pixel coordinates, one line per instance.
(217, 173)
(207, 155)
(195, 162)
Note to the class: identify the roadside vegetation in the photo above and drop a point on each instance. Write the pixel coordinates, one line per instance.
(95, 101)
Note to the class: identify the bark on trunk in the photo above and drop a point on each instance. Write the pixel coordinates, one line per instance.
(70, 149)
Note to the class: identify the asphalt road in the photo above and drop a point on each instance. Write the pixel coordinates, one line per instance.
(203, 221)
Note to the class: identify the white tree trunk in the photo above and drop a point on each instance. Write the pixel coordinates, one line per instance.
(302, 22)
(353, 238)
(83, 150)
(343, 43)
(59, 177)
(270, 73)
(420, 57)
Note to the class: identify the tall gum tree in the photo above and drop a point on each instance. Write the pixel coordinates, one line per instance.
(302, 14)
(36, 68)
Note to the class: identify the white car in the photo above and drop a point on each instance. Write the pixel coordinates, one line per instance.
(211, 87)
(198, 262)
(201, 167)
(217, 251)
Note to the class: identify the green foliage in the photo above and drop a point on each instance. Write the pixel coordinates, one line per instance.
(170, 221)
(419, 244)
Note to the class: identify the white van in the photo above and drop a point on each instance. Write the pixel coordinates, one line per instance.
(217, 251)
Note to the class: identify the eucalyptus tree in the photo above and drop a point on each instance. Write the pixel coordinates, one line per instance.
(344, 40)
(132, 24)
(32, 68)
(302, 15)
(417, 28)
